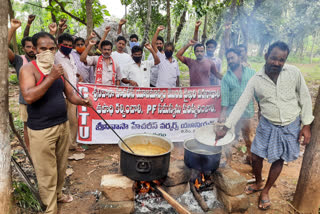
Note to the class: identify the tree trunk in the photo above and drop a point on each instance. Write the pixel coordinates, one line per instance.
(147, 26)
(168, 21)
(89, 17)
(205, 26)
(53, 17)
(181, 25)
(307, 196)
(14, 38)
(314, 38)
(5, 176)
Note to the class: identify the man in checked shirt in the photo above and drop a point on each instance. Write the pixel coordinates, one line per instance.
(285, 103)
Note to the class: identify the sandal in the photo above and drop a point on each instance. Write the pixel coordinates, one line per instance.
(65, 199)
(249, 190)
(262, 203)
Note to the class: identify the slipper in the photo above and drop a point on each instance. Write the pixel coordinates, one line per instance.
(262, 203)
(249, 190)
(65, 199)
(79, 149)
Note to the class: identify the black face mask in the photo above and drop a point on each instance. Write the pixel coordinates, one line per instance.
(160, 48)
(168, 54)
(137, 59)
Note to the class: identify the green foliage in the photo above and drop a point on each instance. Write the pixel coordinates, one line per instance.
(13, 79)
(242, 149)
(24, 197)
(18, 124)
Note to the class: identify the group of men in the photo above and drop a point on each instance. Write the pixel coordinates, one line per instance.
(48, 103)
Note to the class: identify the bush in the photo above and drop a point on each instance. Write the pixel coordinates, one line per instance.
(13, 79)
(24, 197)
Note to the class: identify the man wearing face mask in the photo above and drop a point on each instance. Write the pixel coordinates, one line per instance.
(65, 58)
(17, 61)
(285, 103)
(155, 68)
(107, 70)
(200, 69)
(43, 87)
(168, 68)
(86, 72)
(211, 46)
(137, 73)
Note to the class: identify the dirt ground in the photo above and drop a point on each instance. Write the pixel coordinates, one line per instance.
(99, 160)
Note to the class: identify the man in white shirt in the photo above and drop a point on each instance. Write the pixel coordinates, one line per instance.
(137, 73)
(168, 68)
(107, 71)
(155, 69)
(63, 57)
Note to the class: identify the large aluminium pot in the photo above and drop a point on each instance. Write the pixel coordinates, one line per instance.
(201, 157)
(145, 167)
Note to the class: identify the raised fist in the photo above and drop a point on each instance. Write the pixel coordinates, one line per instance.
(192, 42)
(160, 28)
(53, 27)
(148, 46)
(198, 23)
(62, 22)
(93, 35)
(56, 71)
(107, 30)
(92, 42)
(15, 23)
(122, 21)
(31, 18)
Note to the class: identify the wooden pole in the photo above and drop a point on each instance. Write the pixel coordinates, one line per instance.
(198, 198)
(5, 157)
(178, 207)
(307, 196)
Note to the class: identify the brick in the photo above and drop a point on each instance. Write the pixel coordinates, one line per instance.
(178, 190)
(239, 203)
(103, 206)
(116, 187)
(178, 173)
(230, 181)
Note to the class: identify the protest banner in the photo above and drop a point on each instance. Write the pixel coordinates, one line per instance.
(169, 112)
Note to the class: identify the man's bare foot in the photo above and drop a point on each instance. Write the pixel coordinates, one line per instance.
(264, 201)
(250, 189)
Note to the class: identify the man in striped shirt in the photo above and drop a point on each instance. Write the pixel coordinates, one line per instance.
(232, 86)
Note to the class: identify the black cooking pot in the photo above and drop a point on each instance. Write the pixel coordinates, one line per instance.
(145, 167)
(200, 156)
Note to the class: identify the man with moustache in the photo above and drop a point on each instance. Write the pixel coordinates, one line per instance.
(65, 58)
(17, 61)
(211, 46)
(285, 103)
(107, 70)
(43, 87)
(155, 68)
(168, 68)
(232, 86)
(200, 69)
(85, 71)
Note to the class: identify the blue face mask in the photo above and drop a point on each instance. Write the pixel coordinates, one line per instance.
(65, 50)
(132, 44)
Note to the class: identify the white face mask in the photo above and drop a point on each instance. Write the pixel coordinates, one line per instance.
(45, 61)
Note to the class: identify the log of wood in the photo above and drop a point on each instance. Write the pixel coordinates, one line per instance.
(175, 204)
(199, 198)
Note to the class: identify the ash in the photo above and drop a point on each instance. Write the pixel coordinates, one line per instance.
(154, 203)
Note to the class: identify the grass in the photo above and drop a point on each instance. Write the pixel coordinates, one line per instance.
(24, 197)
(13, 79)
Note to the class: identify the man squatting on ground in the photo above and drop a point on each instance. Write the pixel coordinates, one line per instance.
(42, 85)
(285, 103)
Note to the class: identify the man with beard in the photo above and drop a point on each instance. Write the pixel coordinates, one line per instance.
(168, 68)
(43, 87)
(17, 61)
(285, 103)
(155, 68)
(232, 86)
(85, 71)
(201, 68)
(64, 58)
(211, 46)
(137, 73)
(244, 55)
(107, 70)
